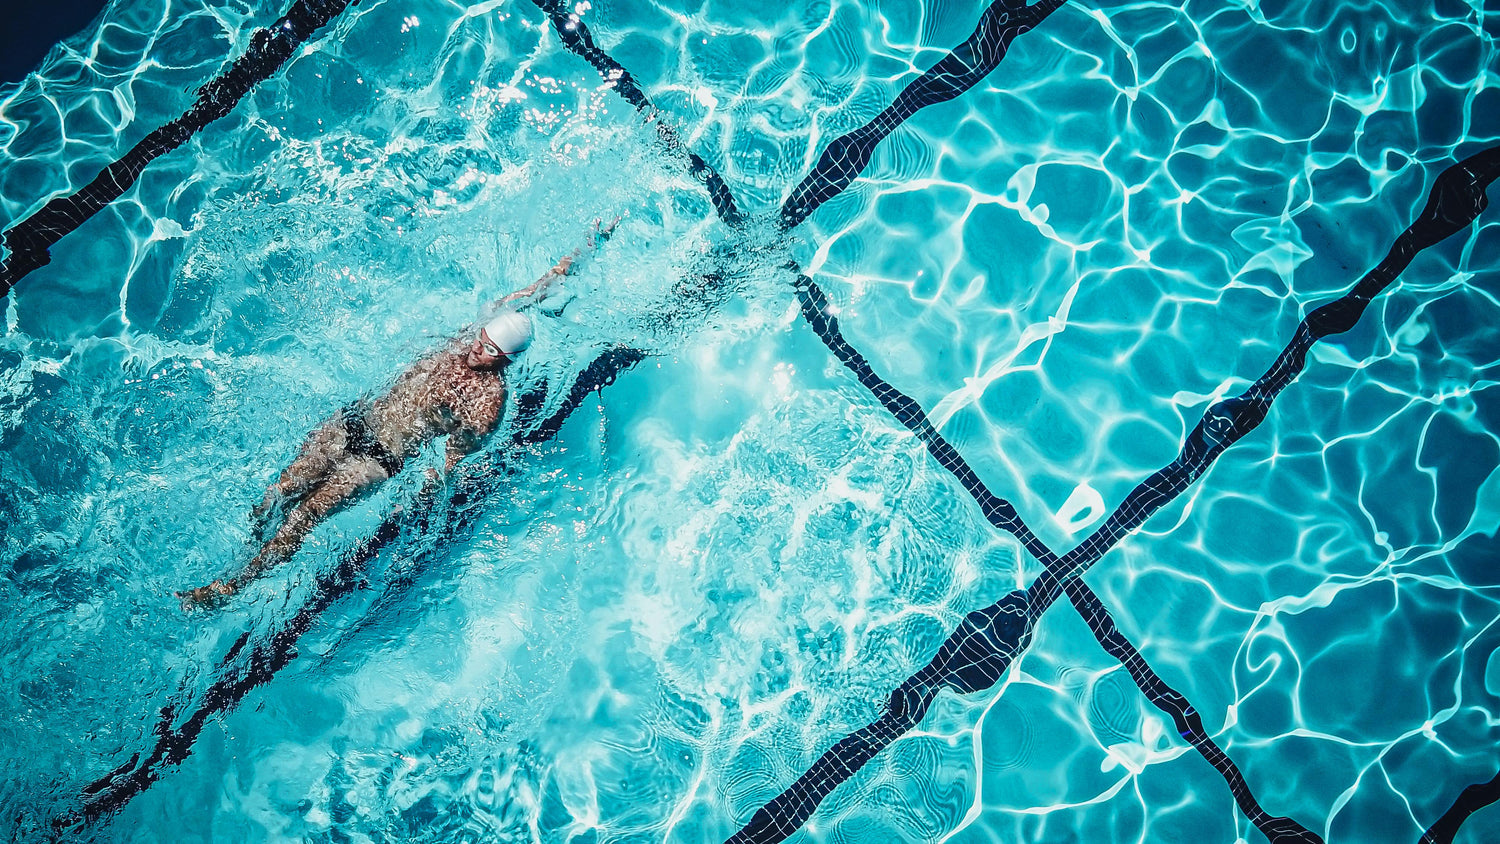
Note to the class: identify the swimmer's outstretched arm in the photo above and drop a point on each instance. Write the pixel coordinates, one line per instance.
(564, 267)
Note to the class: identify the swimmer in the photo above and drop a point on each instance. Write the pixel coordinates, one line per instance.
(457, 391)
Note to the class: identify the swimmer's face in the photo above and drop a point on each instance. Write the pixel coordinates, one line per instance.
(484, 355)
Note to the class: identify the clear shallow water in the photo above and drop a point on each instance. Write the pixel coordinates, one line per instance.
(720, 569)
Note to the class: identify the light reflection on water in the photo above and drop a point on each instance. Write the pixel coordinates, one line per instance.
(707, 580)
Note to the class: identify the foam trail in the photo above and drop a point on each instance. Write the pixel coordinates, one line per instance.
(577, 38)
(998, 511)
(236, 677)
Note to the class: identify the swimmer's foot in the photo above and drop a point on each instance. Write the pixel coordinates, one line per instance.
(208, 597)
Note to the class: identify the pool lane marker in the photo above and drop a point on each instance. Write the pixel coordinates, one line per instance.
(28, 243)
(579, 41)
(960, 70)
(1454, 203)
(957, 72)
(1471, 800)
(1090, 608)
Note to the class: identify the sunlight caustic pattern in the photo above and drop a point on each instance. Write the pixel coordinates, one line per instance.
(1074, 216)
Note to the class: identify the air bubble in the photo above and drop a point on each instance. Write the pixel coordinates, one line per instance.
(1347, 39)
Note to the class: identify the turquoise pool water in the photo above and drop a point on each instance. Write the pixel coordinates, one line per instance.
(725, 563)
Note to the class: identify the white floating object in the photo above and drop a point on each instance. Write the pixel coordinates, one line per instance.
(1083, 508)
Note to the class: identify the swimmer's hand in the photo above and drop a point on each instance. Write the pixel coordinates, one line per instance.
(565, 266)
(208, 597)
(602, 233)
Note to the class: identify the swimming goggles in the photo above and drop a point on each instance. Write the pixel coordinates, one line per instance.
(489, 345)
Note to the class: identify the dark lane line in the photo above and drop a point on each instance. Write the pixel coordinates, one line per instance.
(982, 648)
(997, 511)
(951, 76)
(29, 241)
(1470, 800)
(954, 74)
(1455, 202)
(1184, 717)
(1090, 608)
(1457, 198)
(579, 41)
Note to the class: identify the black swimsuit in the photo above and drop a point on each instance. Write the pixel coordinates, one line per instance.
(360, 439)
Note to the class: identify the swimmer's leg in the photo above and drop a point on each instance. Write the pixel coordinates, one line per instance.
(346, 482)
(315, 462)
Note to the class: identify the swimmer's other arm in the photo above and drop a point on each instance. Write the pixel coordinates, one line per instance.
(535, 291)
(461, 444)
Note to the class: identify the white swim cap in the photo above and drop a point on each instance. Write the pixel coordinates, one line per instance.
(509, 331)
